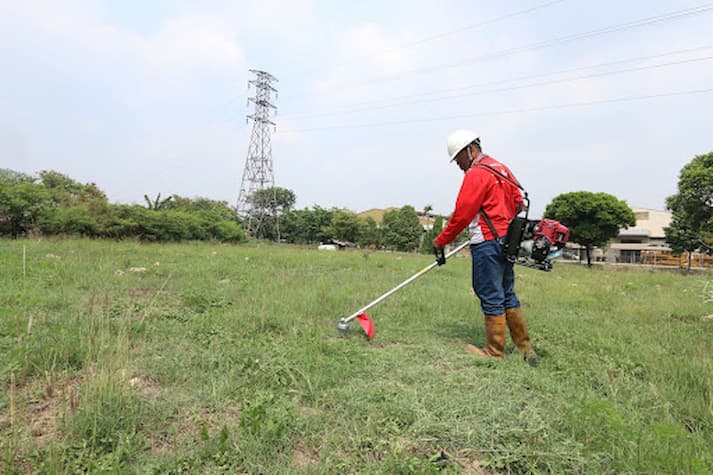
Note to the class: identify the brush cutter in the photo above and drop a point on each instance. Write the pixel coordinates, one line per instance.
(365, 321)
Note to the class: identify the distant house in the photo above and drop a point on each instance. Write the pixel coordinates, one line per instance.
(634, 244)
(646, 236)
(644, 243)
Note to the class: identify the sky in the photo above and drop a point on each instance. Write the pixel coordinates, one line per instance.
(150, 96)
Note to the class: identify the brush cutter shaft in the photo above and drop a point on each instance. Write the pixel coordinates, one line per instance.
(402, 285)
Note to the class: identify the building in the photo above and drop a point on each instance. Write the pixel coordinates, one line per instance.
(646, 237)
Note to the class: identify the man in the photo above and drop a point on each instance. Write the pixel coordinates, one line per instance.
(488, 199)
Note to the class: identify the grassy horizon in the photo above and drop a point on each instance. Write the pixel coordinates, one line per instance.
(121, 357)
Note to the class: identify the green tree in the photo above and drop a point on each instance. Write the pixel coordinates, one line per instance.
(13, 177)
(214, 208)
(157, 203)
(75, 207)
(178, 218)
(306, 226)
(57, 204)
(691, 226)
(65, 191)
(369, 232)
(22, 204)
(401, 228)
(118, 222)
(592, 218)
(680, 235)
(268, 205)
(344, 226)
(72, 220)
(273, 198)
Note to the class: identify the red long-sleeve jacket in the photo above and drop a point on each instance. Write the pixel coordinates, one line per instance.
(483, 189)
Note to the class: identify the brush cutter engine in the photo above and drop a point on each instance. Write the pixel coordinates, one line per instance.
(542, 241)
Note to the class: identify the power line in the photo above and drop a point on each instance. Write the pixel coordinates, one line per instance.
(646, 21)
(513, 111)
(358, 106)
(484, 23)
(522, 86)
(675, 15)
(464, 28)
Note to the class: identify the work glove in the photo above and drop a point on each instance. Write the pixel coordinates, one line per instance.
(440, 255)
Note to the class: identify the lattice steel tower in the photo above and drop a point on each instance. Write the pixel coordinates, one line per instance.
(258, 174)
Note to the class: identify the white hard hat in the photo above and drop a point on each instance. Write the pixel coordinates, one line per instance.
(460, 139)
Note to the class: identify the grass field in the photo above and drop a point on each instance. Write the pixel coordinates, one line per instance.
(118, 357)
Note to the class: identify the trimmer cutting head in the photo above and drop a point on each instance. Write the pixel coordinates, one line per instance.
(363, 320)
(342, 326)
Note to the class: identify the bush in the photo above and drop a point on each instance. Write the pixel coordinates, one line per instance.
(226, 231)
(56, 204)
(118, 222)
(75, 220)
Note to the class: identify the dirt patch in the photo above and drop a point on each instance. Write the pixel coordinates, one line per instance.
(161, 444)
(308, 411)
(60, 398)
(146, 387)
(469, 464)
(192, 427)
(39, 409)
(303, 456)
(472, 467)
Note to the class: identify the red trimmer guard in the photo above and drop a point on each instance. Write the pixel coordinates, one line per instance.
(366, 324)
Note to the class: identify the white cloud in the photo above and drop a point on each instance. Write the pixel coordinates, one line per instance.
(181, 44)
(275, 16)
(193, 43)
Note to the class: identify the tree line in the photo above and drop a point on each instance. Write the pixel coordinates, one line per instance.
(54, 204)
(400, 229)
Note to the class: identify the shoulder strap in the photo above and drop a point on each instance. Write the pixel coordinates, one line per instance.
(512, 181)
(489, 223)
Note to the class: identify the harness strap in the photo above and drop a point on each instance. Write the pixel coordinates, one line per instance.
(489, 223)
(512, 181)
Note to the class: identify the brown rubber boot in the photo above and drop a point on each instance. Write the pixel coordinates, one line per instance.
(518, 332)
(494, 336)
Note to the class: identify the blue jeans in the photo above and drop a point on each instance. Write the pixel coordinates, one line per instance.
(493, 278)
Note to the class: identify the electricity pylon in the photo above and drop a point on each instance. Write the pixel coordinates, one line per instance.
(258, 174)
